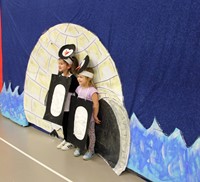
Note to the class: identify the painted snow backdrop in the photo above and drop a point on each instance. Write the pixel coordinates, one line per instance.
(155, 46)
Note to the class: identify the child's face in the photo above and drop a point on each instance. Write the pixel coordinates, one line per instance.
(83, 80)
(63, 66)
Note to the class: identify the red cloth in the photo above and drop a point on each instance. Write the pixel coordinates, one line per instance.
(1, 75)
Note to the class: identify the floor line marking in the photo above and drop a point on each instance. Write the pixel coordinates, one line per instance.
(35, 160)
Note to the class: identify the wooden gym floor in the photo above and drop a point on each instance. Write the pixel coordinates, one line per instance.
(30, 155)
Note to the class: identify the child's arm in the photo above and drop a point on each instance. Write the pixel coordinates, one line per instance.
(95, 101)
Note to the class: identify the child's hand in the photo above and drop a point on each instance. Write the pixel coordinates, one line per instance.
(97, 121)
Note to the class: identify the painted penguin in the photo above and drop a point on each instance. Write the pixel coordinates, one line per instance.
(58, 89)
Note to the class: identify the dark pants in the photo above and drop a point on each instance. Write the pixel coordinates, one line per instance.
(65, 124)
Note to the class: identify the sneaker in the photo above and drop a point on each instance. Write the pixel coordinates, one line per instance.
(67, 146)
(77, 152)
(88, 155)
(61, 144)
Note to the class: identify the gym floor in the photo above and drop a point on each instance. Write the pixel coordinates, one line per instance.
(28, 154)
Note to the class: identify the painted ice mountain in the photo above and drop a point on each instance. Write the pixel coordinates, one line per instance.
(11, 105)
(159, 157)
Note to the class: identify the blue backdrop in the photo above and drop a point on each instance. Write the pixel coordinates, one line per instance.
(155, 45)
